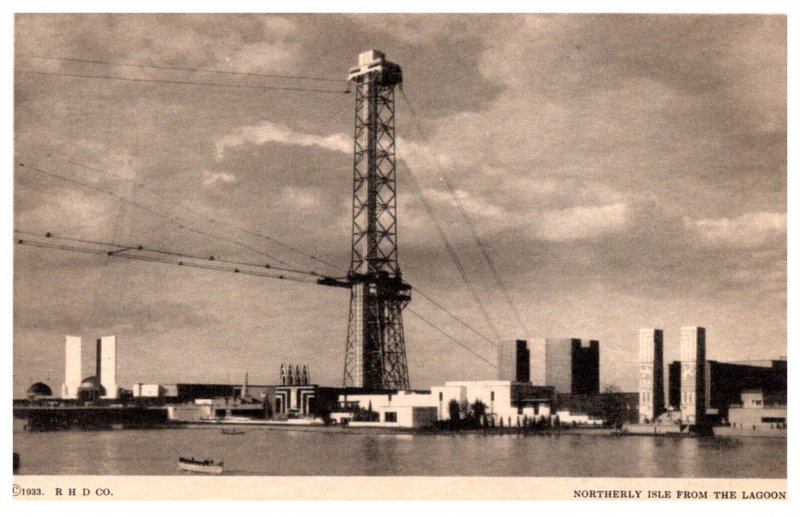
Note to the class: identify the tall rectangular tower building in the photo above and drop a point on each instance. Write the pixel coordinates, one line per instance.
(514, 361)
(693, 374)
(107, 365)
(573, 365)
(72, 368)
(651, 374)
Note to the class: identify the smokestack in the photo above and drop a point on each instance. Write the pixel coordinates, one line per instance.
(98, 365)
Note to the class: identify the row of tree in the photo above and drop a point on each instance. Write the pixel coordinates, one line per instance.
(465, 416)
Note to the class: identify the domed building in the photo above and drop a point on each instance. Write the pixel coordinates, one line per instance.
(90, 389)
(39, 390)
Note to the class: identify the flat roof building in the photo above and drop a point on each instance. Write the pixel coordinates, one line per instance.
(514, 361)
(72, 367)
(724, 382)
(651, 374)
(572, 365)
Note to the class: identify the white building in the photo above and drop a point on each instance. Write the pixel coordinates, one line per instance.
(510, 401)
(513, 402)
(148, 390)
(755, 415)
(651, 374)
(72, 367)
(693, 374)
(107, 365)
(400, 409)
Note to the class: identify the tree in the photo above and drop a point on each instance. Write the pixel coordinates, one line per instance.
(365, 415)
(478, 411)
(454, 409)
(464, 408)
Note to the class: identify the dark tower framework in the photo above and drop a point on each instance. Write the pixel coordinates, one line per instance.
(375, 354)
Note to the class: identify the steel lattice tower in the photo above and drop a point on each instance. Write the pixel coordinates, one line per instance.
(375, 356)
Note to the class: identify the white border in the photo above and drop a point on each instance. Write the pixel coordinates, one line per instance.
(372, 508)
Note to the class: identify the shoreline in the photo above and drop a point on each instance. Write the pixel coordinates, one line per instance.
(308, 427)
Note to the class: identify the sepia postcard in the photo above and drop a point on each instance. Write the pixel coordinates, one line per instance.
(400, 256)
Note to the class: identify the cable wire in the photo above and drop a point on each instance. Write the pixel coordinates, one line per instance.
(153, 212)
(128, 251)
(138, 252)
(212, 220)
(451, 338)
(464, 323)
(467, 219)
(190, 83)
(180, 68)
(450, 250)
(256, 234)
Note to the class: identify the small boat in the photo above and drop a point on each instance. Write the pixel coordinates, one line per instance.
(202, 466)
(232, 431)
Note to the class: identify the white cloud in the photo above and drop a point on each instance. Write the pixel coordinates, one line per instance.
(412, 28)
(303, 198)
(581, 222)
(278, 53)
(474, 206)
(211, 178)
(745, 231)
(270, 132)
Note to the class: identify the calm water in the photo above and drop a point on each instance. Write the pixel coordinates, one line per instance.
(278, 452)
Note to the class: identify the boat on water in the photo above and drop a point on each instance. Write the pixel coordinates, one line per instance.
(232, 431)
(202, 466)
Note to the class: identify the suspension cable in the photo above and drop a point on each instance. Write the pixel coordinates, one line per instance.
(453, 256)
(138, 252)
(183, 82)
(180, 68)
(451, 338)
(468, 220)
(149, 210)
(184, 206)
(203, 216)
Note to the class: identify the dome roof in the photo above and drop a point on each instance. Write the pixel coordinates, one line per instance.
(91, 383)
(41, 389)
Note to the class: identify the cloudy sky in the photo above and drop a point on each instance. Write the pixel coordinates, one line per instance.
(623, 171)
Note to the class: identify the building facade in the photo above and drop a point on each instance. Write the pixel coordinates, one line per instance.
(651, 374)
(514, 361)
(509, 401)
(758, 415)
(724, 383)
(572, 365)
(693, 375)
(107, 365)
(72, 368)
(408, 409)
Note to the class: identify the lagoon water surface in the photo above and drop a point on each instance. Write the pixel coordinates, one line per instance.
(277, 452)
